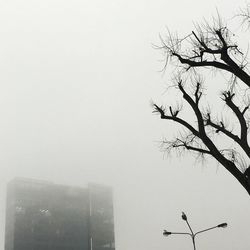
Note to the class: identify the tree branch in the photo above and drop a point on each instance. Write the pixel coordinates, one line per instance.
(188, 147)
(192, 63)
(229, 64)
(186, 143)
(194, 105)
(161, 111)
(228, 98)
(221, 128)
(201, 133)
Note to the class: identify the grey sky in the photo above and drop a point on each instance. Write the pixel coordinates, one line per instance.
(76, 80)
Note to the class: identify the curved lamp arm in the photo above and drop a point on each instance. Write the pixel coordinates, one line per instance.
(222, 225)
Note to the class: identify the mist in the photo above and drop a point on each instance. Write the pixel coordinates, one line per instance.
(77, 78)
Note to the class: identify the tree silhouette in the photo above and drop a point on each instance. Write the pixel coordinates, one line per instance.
(211, 46)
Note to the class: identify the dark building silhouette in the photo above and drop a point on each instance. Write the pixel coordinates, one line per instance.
(45, 216)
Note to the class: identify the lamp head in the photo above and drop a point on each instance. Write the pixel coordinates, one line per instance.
(184, 216)
(166, 233)
(223, 225)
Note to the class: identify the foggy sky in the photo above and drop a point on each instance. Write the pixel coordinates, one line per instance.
(77, 78)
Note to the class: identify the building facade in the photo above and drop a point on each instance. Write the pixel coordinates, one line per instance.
(45, 216)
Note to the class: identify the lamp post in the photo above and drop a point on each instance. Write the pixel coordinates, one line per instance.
(192, 234)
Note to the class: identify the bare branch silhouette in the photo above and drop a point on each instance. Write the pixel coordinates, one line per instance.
(210, 47)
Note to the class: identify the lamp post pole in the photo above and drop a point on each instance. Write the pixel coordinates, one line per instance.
(192, 234)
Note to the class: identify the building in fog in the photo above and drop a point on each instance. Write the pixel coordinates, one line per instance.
(45, 216)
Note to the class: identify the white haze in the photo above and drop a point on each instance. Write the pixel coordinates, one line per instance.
(76, 80)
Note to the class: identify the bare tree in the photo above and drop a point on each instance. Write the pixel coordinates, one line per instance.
(211, 46)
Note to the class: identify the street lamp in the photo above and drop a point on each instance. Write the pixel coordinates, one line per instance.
(192, 234)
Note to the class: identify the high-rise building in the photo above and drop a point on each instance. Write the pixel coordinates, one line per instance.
(45, 216)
